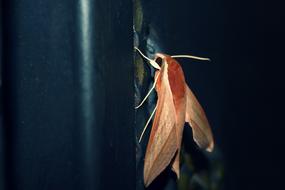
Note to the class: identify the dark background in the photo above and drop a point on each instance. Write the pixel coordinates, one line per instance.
(241, 89)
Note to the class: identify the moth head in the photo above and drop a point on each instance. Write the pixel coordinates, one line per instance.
(160, 59)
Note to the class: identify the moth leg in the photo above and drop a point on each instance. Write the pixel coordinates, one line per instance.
(147, 95)
(149, 119)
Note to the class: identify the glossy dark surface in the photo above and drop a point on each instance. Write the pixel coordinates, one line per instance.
(67, 82)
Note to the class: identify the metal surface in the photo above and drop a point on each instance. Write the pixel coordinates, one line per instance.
(68, 94)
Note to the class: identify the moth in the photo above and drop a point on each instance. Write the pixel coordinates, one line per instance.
(176, 104)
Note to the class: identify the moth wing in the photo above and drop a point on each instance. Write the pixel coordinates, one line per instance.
(162, 143)
(197, 119)
(180, 106)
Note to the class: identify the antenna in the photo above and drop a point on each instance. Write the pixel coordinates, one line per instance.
(191, 57)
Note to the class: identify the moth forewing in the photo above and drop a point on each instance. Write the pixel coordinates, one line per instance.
(162, 143)
(196, 117)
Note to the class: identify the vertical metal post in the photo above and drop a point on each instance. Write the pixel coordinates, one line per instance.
(68, 94)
